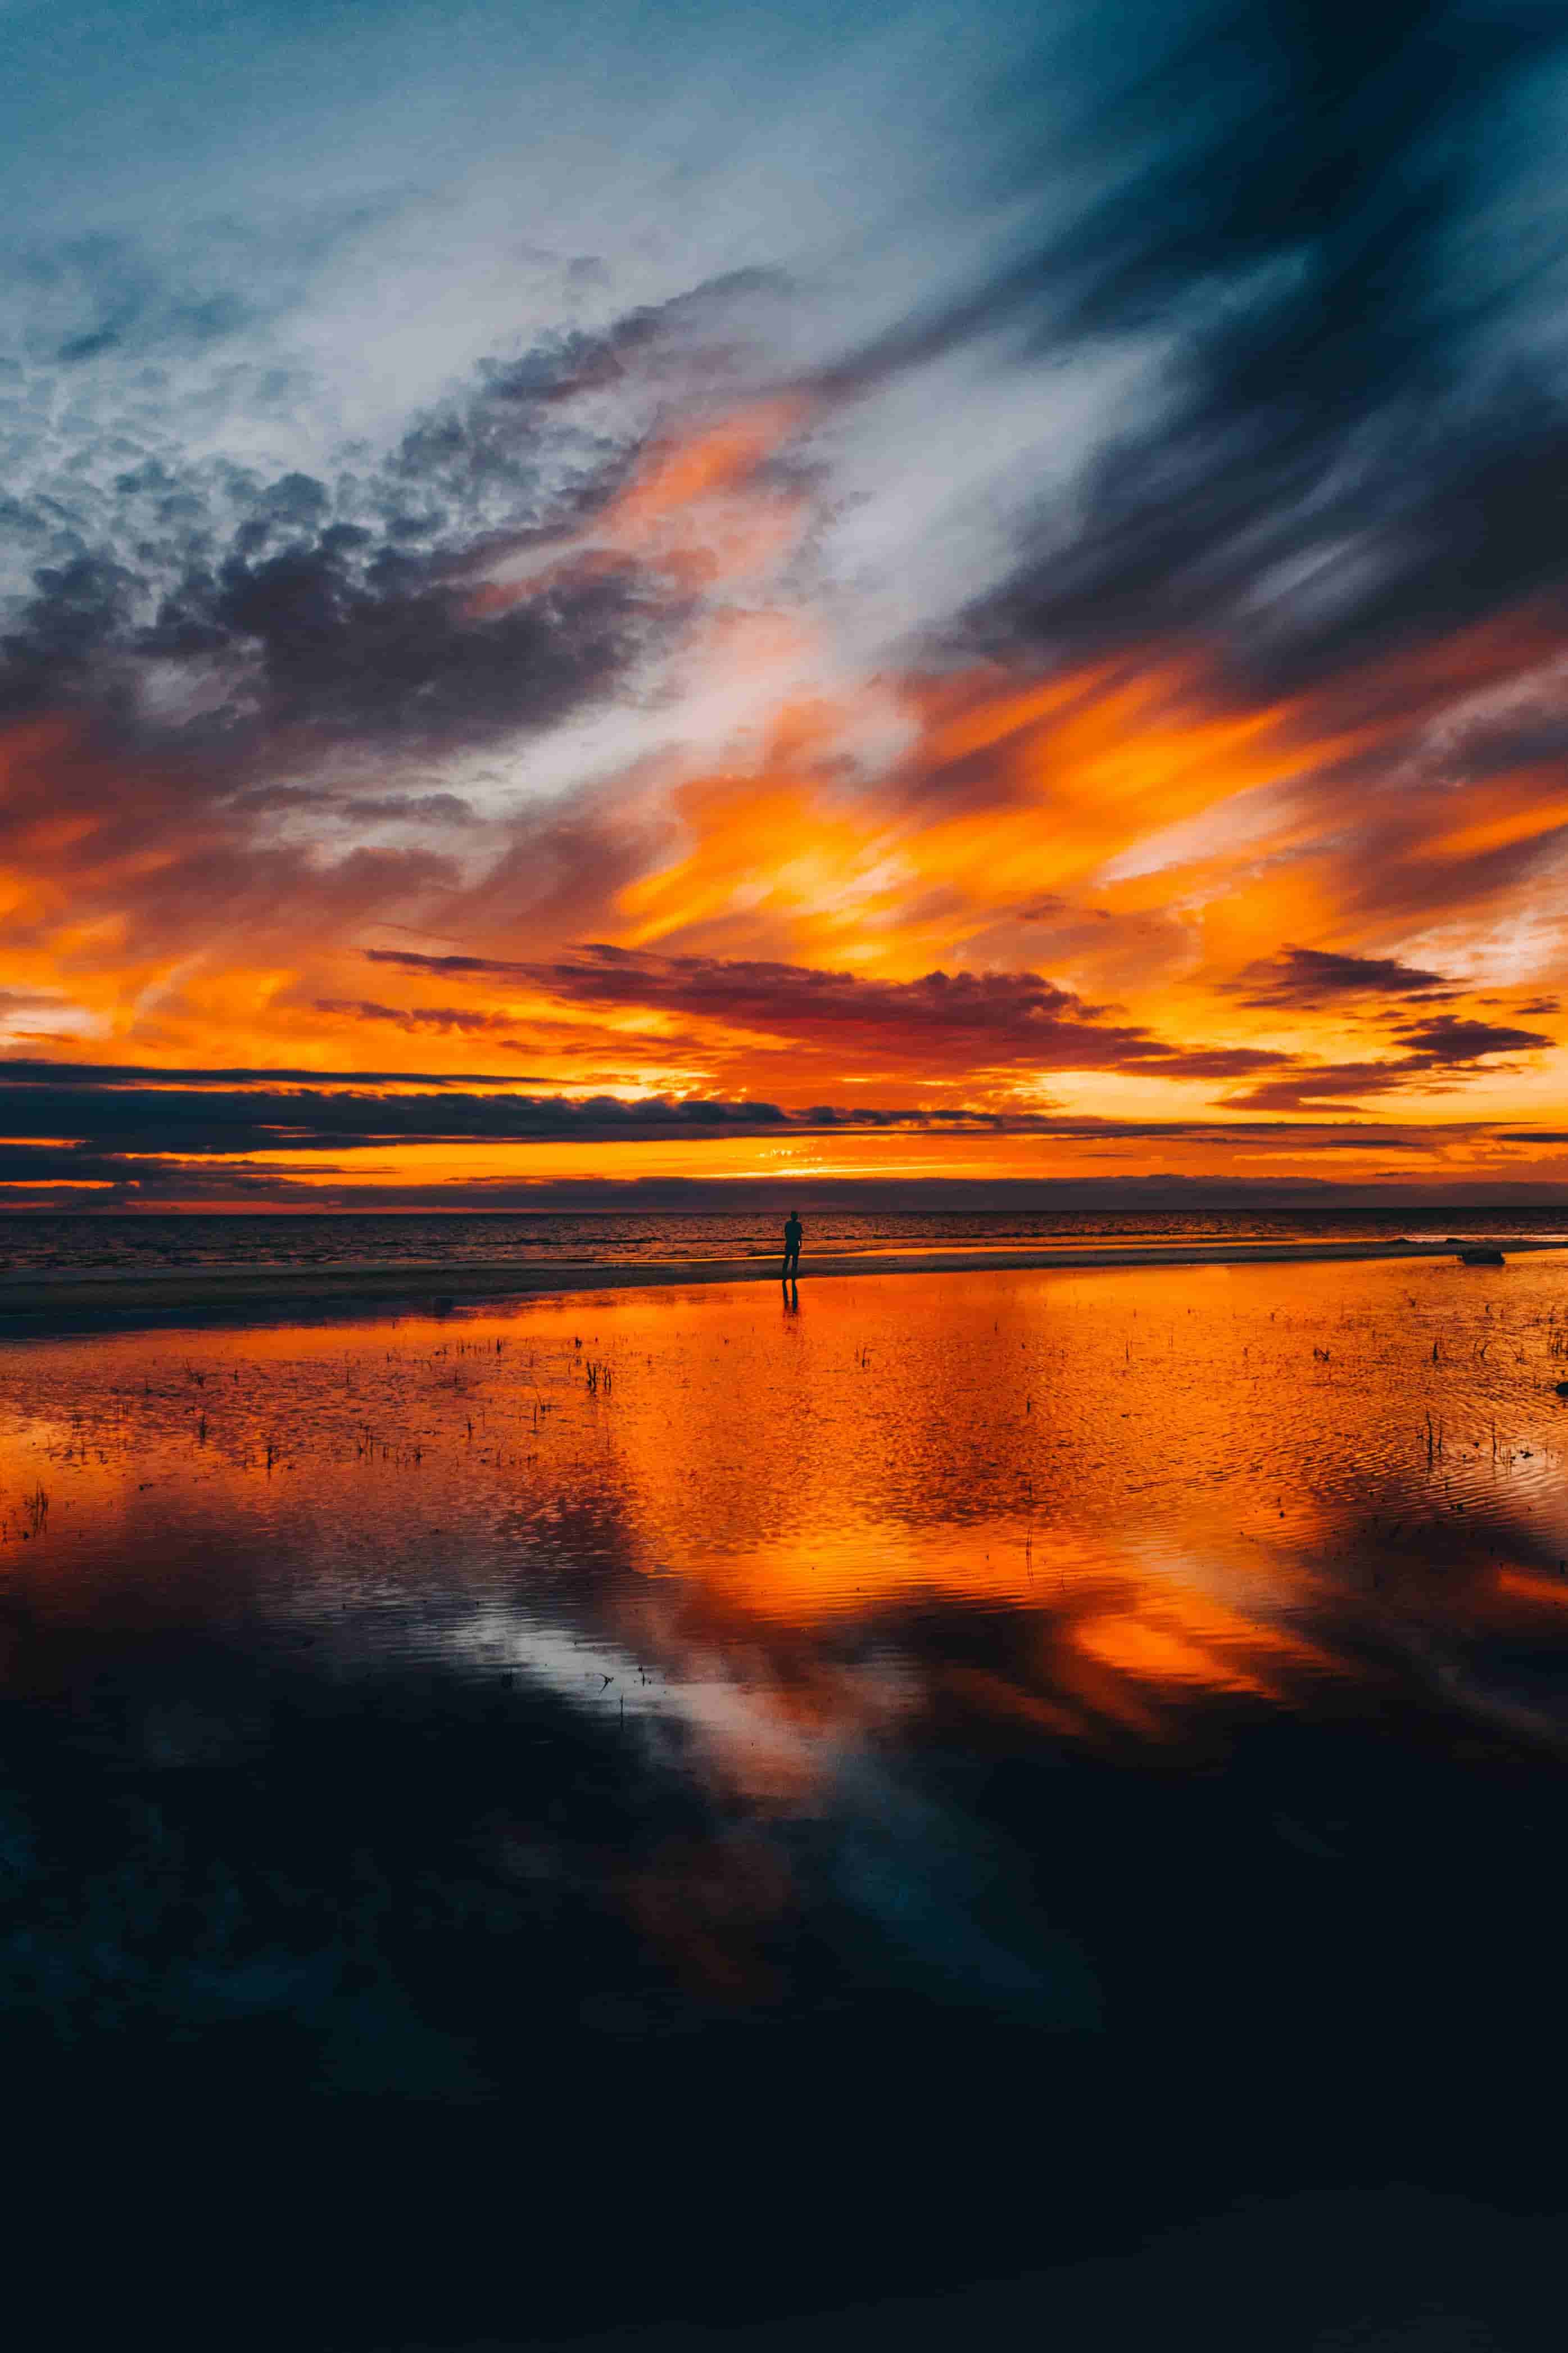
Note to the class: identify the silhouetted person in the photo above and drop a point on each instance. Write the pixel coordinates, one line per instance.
(795, 1233)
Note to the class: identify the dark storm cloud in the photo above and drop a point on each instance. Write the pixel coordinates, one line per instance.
(1325, 228)
(388, 648)
(1443, 1048)
(343, 607)
(171, 1118)
(105, 1111)
(325, 636)
(1445, 1039)
(1292, 200)
(1313, 977)
(942, 1023)
(1222, 328)
(1327, 472)
(150, 1135)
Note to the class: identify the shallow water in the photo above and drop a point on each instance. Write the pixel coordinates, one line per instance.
(1139, 1693)
(1205, 1481)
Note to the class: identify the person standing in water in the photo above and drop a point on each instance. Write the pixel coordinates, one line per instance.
(793, 1235)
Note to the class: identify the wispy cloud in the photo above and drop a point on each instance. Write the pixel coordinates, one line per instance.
(941, 1025)
(975, 552)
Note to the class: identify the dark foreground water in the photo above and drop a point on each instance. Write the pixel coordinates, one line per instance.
(1040, 1795)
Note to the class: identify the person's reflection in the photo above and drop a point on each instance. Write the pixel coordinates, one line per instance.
(794, 1234)
(791, 1299)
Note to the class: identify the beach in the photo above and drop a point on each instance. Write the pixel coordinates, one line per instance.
(1099, 1726)
(66, 1298)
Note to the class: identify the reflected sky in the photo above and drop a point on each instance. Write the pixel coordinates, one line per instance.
(785, 1553)
(1155, 1487)
(1133, 1698)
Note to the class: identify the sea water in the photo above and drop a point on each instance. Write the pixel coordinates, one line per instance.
(943, 1777)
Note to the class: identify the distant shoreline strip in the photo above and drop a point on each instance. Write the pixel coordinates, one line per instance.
(34, 1305)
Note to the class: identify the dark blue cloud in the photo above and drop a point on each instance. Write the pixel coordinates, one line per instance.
(1350, 461)
(1108, 326)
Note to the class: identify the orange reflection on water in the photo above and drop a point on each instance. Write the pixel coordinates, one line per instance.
(1098, 1505)
(1181, 1641)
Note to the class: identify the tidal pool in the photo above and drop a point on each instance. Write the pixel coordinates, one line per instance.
(813, 1803)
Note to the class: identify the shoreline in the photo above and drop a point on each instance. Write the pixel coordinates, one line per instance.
(37, 1306)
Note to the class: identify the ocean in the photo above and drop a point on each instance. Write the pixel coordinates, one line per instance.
(683, 1802)
(31, 1243)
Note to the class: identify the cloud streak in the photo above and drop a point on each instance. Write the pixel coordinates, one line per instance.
(975, 555)
(968, 1024)
(1442, 1051)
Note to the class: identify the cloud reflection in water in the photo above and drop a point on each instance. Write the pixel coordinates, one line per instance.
(810, 1573)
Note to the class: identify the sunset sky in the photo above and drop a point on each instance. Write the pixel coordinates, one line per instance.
(607, 602)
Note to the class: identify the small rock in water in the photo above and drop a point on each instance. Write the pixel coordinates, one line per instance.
(1482, 1257)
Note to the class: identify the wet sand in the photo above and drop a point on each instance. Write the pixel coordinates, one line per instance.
(67, 1299)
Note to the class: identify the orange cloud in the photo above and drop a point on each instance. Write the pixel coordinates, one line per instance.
(1042, 892)
(693, 510)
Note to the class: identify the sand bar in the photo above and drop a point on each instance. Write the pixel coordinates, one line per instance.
(71, 1299)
